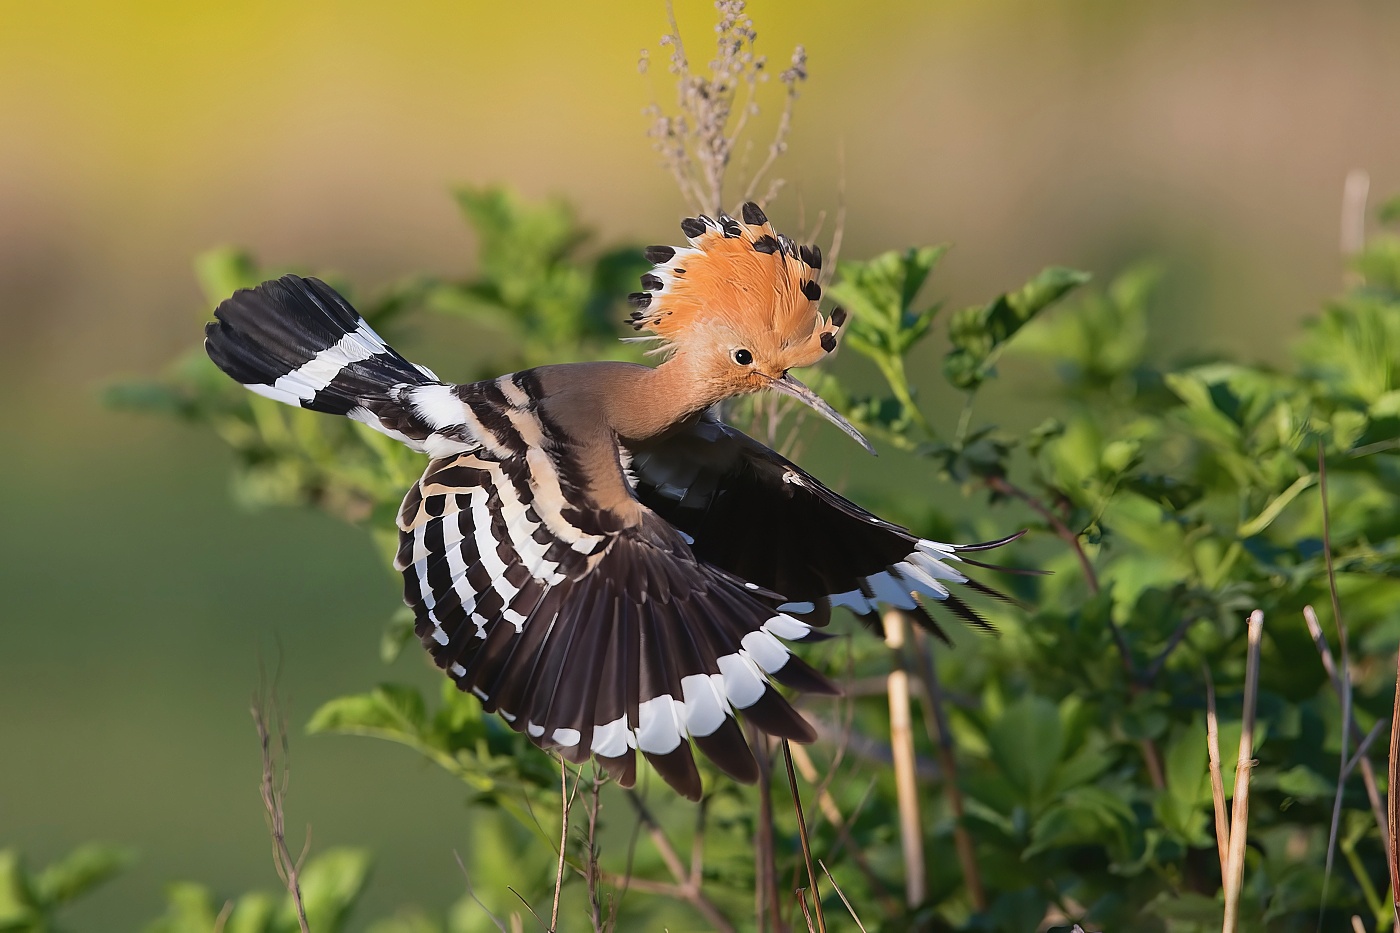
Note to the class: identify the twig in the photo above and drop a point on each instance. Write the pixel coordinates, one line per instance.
(1005, 487)
(841, 894)
(1368, 770)
(942, 737)
(833, 815)
(802, 834)
(276, 774)
(590, 868)
(1154, 670)
(766, 900)
(690, 893)
(1239, 818)
(902, 744)
(566, 803)
(1217, 780)
(1393, 795)
(471, 892)
(522, 900)
(806, 914)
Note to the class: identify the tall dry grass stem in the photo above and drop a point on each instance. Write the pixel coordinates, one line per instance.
(1239, 818)
(802, 833)
(1217, 779)
(270, 722)
(902, 746)
(1393, 795)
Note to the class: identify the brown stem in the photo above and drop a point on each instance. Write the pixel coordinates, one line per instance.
(1368, 770)
(590, 868)
(833, 815)
(767, 902)
(1393, 794)
(1217, 780)
(806, 843)
(941, 735)
(1239, 817)
(690, 893)
(1005, 487)
(276, 776)
(1154, 670)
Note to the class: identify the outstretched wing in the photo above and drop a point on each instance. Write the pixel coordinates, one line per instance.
(758, 515)
(590, 639)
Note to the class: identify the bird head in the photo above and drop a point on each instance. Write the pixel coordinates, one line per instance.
(738, 309)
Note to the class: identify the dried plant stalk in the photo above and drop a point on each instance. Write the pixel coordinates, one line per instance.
(697, 142)
(902, 745)
(1217, 779)
(276, 774)
(1393, 795)
(806, 843)
(1239, 817)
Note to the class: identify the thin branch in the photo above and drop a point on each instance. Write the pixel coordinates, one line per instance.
(697, 844)
(590, 867)
(1005, 487)
(690, 893)
(802, 833)
(276, 775)
(942, 737)
(566, 803)
(1154, 670)
(1239, 818)
(766, 900)
(833, 815)
(841, 894)
(522, 900)
(1368, 770)
(471, 892)
(1393, 795)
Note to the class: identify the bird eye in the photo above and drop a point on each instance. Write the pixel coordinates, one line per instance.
(743, 357)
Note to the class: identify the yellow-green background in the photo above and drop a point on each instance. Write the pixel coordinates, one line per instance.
(135, 598)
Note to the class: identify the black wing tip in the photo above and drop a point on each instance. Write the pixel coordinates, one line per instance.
(677, 768)
(990, 545)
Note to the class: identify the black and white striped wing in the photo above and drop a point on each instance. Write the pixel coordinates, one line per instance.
(761, 517)
(593, 641)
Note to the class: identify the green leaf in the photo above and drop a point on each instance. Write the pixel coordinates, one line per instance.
(80, 871)
(397, 633)
(1389, 211)
(879, 294)
(221, 272)
(979, 333)
(330, 884)
(252, 913)
(18, 903)
(1027, 743)
(389, 710)
(409, 920)
(189, 908)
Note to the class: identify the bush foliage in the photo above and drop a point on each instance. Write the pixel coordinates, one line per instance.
(1168, 499)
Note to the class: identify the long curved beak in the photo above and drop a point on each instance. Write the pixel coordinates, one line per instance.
(791, 387)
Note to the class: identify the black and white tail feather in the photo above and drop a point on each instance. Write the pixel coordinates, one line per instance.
(591, 638)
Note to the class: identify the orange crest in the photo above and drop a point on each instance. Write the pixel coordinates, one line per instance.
(741, 277)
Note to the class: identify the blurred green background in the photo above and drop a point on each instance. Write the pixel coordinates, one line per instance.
(136, 597)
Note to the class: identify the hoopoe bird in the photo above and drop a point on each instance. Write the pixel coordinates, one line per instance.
(591, 551)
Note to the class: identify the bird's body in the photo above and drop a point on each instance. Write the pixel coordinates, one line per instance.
(590, 551)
